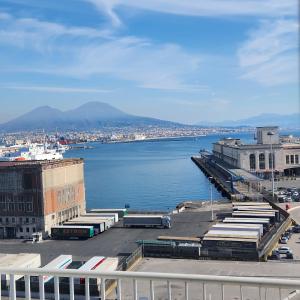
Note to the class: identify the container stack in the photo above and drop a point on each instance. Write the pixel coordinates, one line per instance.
(239, 236)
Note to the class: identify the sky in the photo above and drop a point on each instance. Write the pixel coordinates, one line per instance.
(186, 61)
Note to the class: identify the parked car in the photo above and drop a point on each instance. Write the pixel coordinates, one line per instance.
(283, 240)
(296, 229)
(289, 255)
(284, 250)
(274, 257)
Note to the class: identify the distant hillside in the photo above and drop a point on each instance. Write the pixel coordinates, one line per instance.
(92, 115)
(283, 121)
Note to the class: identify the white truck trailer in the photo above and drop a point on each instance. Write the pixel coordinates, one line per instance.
(145, 220)
(92, 264)
(102, 215)
(60, 263)
(21, 260)
(239, 227)
(120, 211)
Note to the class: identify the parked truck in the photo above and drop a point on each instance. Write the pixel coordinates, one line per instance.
(72, 232)
(147, 221)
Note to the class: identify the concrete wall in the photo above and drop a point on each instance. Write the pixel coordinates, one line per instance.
(64, 193)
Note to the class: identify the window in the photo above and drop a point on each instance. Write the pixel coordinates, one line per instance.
(252, 161)
(33, 229)
(13, 220)
(292, 159)
(29, 181)
(271, 161)
(297, 159)
(262, 163)
(27, 229)
(33, 220)
(27, 220)
(21, 229)
(287, 159)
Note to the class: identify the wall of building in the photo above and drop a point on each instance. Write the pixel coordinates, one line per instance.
(37, 195)
(64, 193)
(20, 201)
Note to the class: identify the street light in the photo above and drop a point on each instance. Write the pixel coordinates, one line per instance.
(270, 134)
(211, 198)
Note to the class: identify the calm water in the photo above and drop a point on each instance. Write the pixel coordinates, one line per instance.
(146, 175)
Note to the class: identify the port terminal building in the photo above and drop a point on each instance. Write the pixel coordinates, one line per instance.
(269, 151)
(36, 195)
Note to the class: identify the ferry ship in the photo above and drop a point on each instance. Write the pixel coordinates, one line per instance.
(32, 152)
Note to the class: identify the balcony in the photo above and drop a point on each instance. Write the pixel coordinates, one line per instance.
(123, 285)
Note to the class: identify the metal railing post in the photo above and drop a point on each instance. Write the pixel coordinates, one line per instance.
(12, 287)
(56, 288)
(103, 288)
(186, 290)
(169, 290)
(87, 288)
(151, 290)
(135, 292)
(27, 287)
(71, 284)
(41, 287)
(119, 289)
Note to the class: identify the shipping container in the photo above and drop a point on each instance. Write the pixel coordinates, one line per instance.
(120, 211)
(264, 221)
(21, 260)
(250, 203)
(147, 221)
(99, 225)
(254, 214)
(109, 221)
(72, 232)
(239, 227)
(223, 242)
(103, 215)
(60, 263)
(253, 208)
(233, 234)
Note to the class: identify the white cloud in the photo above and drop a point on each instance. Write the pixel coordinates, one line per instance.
(42, 35)
(84, 52)
(149, 65)
(53, 89)
(214, 8)
(269, 56)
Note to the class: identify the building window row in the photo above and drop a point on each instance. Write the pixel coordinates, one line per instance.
(261, 161)
(14, 220)
(292, 159)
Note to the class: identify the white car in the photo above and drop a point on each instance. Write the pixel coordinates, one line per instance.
(284, 250)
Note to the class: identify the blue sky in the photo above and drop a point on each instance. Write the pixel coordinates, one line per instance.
(186, 61)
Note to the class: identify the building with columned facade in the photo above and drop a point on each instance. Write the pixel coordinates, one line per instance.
(268, 151)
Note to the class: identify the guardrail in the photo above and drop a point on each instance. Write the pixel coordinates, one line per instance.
(208, 287)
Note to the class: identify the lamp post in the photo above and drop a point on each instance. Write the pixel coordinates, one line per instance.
(270, 134)
(211, 198)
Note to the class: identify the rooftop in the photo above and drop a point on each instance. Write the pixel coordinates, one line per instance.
(42, 163)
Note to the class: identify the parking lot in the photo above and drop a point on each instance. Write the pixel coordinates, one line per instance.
(117, 241)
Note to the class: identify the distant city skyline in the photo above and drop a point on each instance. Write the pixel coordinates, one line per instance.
(187, 61)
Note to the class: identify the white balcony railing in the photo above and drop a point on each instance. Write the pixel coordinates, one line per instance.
(141, 285)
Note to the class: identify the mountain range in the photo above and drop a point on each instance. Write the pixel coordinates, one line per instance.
(283, 121)
(97, 115)
(92, 115)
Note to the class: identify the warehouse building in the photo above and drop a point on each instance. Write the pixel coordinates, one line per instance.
(268, 151)
(35, 195)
